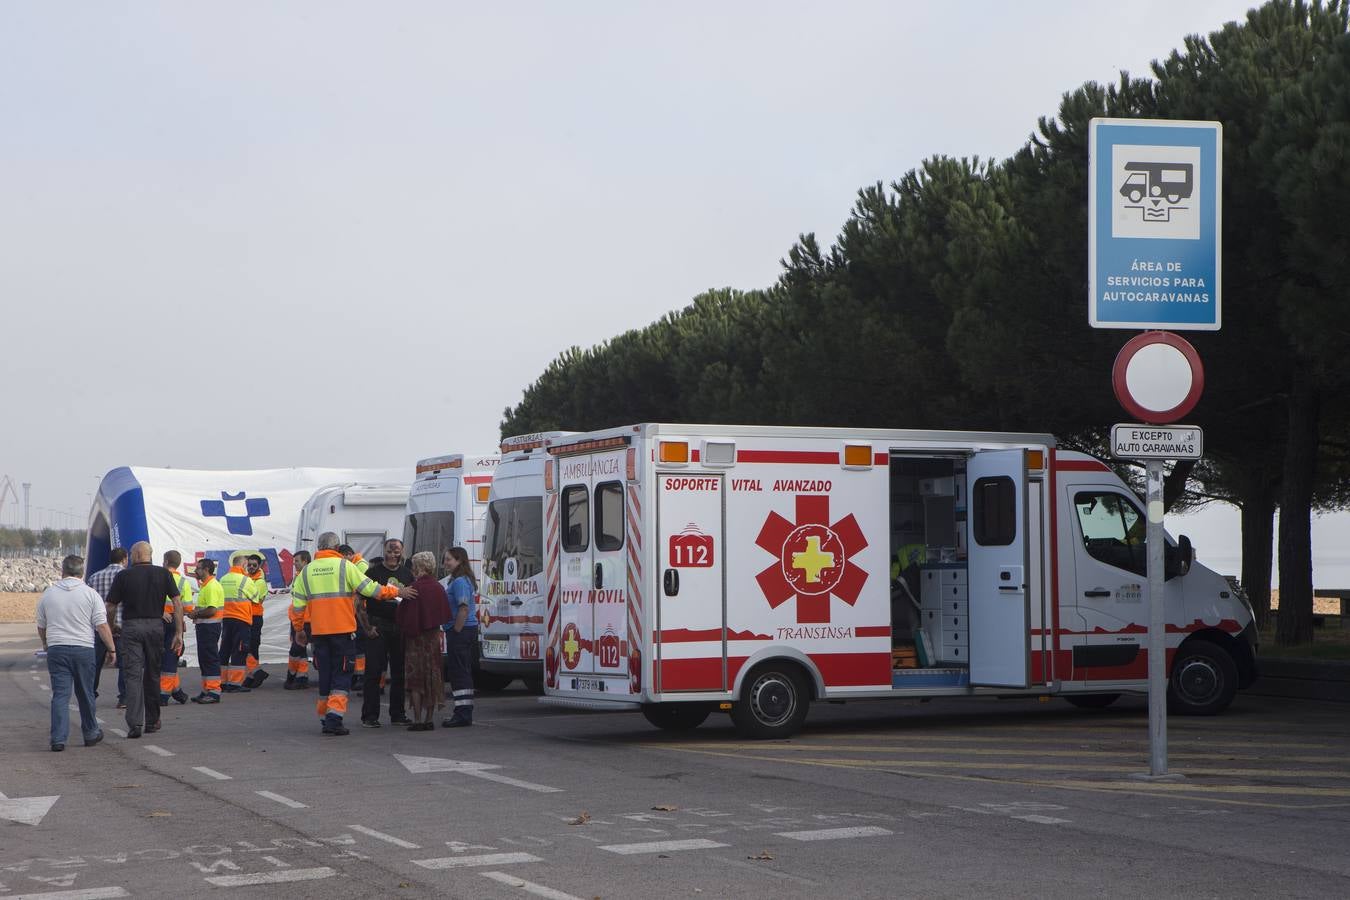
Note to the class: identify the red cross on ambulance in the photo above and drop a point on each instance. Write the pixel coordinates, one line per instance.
(813, 559)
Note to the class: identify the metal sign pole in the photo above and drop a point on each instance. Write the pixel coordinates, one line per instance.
(1157, 632)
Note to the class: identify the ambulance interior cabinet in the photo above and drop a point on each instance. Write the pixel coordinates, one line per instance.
(944, 606)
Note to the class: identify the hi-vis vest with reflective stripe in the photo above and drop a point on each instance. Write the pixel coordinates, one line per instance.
(184, 593)
(239, 591)
(260, 593)
(210, 595)
(324, 592)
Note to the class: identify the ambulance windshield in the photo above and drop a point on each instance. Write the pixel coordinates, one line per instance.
(515, 531)
(430, 531)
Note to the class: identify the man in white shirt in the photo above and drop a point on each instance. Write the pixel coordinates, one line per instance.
(69, 615)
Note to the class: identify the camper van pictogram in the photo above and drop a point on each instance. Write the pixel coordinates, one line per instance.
(1157, 188)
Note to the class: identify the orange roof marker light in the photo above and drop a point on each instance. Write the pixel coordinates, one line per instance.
(674, 452)
(481, 493)
(1035, 460)
(857, 456)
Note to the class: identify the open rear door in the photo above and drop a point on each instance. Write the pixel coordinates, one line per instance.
(999, 627)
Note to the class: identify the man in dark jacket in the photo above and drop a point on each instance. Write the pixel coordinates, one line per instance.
(139, 593)
(386, 645)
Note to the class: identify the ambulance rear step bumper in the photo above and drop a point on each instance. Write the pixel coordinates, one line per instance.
(597, 705)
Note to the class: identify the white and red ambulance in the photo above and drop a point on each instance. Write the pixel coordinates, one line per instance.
(755, 569)
(447, 507)
(511, 616)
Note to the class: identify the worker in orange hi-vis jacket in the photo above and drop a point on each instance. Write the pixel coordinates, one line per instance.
(328, 590)
(254, 675)
(236, 624)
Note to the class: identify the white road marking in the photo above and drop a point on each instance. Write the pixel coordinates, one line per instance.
(211, 773)
(158, 750)
(117, 731)
(528, 887)
(420, 765)
(662, 846)
(269, 877)
(104, 893)
(464, 862)
(1043, 820)
(26, 810)
(34, 677)
(835, 834)
(397, 842)
(44, 687)
(284, 801)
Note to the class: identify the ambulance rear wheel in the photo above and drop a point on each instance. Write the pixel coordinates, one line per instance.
(1092, 701)
(676, 716)
(1204, 680)
(773, 703)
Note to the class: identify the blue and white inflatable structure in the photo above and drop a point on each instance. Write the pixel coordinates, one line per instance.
(212, 514)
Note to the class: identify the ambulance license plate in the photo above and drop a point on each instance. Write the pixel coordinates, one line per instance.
(590, 684)
(496, 648)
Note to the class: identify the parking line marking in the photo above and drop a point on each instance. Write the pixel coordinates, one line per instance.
(279, 877)
(835, 834)
(485, 859)
(158, 750)
(528, 887)
(212, 773)
(44, 687)
(284, 801)
(103, 893)
(514, 782)
(1043, 820)
(397, 842)
(117, 731)
(662, 846)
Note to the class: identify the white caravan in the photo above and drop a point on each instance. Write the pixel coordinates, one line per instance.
(363, 515)
(511, 619)
(697, 567)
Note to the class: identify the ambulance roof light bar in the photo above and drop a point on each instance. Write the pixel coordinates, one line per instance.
(519, 442)
(440, 463)
(586, 446)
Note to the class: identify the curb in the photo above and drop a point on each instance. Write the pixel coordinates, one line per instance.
(1306, 679)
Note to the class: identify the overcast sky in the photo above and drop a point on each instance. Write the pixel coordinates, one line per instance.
(350, 234)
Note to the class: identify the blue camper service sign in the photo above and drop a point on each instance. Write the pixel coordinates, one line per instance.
(1154, 224)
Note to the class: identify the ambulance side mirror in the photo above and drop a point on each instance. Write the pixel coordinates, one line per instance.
(1177, 560)
(671, 582)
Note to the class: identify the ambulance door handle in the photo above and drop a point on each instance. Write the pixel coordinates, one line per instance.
(671, 582)
(599, 577)
(517, 602)
(1097, 593)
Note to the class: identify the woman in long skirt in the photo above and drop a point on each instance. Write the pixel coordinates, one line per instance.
(420, 620)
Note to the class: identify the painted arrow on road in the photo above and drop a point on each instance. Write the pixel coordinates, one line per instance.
(420, 765)
(26, 810)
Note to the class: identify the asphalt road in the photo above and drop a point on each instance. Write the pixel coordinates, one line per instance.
(881, 799)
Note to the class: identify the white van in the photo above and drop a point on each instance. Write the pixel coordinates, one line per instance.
(447, 508)
(697, 567)
(363, 515)
(511, 620)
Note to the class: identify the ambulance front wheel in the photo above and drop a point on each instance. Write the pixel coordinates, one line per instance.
(1204, 679)
(676, 716)
(773, 703)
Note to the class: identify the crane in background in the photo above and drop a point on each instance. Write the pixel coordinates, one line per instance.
(7, 487)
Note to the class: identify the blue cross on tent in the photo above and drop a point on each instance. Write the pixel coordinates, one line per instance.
(235, 523)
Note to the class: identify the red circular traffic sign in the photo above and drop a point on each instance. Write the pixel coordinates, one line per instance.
(1158, 377)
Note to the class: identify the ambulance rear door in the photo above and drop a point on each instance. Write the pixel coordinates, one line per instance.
(998, 568)
(691, 607)
(594, 571)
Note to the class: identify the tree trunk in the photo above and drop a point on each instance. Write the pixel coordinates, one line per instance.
(1258, 535)
(1174, 483)
(1294, 625)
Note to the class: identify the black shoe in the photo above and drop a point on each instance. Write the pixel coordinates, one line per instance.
(133, 733)
(180, 695)
(336, 730)
(151, 729)
(57, 748)
(259, 676)
(370, 723)
(207, 698)
(456, 722)
(404, 721)
(94, 740)
(293, 686)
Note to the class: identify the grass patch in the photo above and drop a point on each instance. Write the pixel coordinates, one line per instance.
(1329, 642)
